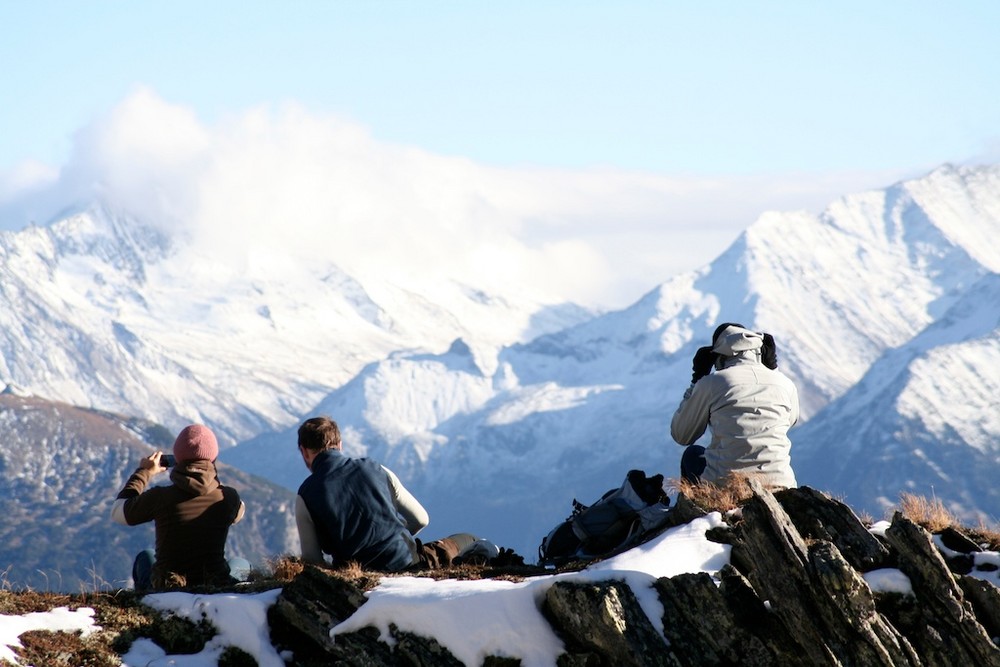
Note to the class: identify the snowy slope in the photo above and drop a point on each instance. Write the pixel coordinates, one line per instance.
(388, 411)
(922, 420)
(100, 311)
(569, 413)
(535, 403)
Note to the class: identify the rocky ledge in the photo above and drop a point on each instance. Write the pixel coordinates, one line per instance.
(793, 593)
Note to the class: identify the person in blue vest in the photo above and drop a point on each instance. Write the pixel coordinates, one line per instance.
(357, 510)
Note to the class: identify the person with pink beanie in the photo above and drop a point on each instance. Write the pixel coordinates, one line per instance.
(192, 515)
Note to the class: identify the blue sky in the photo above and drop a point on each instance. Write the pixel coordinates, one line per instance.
(799, 95)
(662, 86)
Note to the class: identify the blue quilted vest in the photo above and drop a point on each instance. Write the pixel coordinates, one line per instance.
(351, 504)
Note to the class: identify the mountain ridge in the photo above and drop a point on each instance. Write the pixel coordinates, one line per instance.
(489, 427)
(62, 467)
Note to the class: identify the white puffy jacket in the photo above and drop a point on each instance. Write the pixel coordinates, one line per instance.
(749, 409)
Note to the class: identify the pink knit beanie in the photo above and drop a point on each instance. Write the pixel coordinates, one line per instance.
(196, 442)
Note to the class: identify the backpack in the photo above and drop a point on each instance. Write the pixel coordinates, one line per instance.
(620, 517)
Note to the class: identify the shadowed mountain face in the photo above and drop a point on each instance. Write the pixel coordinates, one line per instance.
(61, 468)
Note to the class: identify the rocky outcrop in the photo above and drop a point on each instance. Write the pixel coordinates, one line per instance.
(794, 593)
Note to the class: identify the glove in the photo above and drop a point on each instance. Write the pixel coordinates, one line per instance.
(702, 364)
(507, 558)
(769, 352)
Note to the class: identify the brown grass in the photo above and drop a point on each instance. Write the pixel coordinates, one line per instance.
(866, 519)
(121, 617)
(927, 512)
(731, 493)
(64, 648)
(985, 535)
(17, 603)
(933, 516)
(285, 568)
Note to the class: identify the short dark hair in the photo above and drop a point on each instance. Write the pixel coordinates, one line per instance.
(319, 433)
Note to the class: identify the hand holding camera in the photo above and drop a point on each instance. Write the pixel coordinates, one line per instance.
(769, 352)
(702, 364)
(157, 462)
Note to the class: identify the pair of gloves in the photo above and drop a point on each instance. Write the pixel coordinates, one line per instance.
(704, 358)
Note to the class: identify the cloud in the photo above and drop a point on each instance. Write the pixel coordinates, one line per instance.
(282, 179)
(24, 191)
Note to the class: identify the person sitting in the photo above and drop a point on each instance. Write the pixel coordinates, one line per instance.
(192, 516)
(357, 510)
(748, 405)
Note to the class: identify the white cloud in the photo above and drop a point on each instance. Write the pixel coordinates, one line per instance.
(284, 179)
(23, 193)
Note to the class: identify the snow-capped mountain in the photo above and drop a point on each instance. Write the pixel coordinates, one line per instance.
(569, 413)
(923, 419)
(497, 411)
(101, 311)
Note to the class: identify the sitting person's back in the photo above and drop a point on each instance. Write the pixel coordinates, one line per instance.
(192, 515)
(749, 406)
(356, 510)
(351, 500)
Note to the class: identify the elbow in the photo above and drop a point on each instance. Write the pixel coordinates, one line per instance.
(684, 438)
(680, 436)
(240, 513)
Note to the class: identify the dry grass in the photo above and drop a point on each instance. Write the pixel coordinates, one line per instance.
(64, 648)
(730, 494)
(866, 519)
(285, 568)
(933, 516)
(121, 617)
(927, 512)
(16, 603)
(352, 573)
(985, 536)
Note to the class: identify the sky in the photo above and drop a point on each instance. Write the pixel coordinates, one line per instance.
(619, 143)
(471, 618)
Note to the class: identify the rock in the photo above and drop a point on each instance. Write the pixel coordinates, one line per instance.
(985, 600)
(604, 619)
(825, 606)
(818, 516)
(312, 603)
(702, 626)
(794, 593)
(956, 541)
(943, 626)
(420, 651)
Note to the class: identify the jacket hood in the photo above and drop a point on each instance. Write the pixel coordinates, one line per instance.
(196, 477)
(733, 341)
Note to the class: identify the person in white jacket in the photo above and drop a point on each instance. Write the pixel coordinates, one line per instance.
(748, 405)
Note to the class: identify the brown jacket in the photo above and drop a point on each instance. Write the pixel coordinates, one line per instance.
(192, 518)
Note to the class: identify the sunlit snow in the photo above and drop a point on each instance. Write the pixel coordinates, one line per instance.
(471, 618)
(60, 619)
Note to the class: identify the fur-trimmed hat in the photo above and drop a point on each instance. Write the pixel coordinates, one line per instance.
(196, 442)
